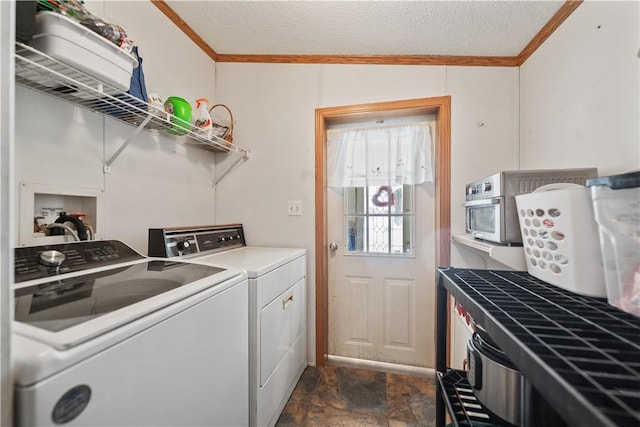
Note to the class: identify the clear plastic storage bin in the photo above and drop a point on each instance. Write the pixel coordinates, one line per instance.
(616, 202)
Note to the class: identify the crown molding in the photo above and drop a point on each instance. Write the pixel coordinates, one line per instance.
(495, 61)
(481, 61)
(556, 20)
(190, 32)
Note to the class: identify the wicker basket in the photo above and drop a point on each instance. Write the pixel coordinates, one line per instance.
(222, 131)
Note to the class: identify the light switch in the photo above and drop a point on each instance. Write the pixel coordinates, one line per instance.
(295, 208)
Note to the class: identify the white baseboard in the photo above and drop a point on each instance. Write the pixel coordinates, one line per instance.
(380, 366)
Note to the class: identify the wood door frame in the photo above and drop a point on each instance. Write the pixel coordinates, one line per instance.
(438, 106)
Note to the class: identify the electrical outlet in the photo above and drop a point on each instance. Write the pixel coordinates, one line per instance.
(295, 208)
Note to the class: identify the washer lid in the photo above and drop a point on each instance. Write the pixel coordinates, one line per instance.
(74, 308)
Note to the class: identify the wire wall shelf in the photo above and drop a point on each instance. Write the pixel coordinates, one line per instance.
(39, 71)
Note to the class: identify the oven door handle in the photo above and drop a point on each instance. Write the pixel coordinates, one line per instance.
(484, 202)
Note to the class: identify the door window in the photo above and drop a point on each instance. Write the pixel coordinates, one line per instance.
(379, 220)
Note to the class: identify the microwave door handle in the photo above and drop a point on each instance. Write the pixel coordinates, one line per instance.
(484, 202)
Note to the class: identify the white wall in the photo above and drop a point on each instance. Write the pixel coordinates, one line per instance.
(155, 182)
(7, 30)
(580, 92)
(274, 105)
(484, 134)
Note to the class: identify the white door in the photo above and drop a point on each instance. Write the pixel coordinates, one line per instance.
(381, 280)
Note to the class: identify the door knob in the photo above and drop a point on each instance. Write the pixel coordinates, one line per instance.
(333, 246)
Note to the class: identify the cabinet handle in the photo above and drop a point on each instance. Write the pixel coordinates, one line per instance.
(287, 301)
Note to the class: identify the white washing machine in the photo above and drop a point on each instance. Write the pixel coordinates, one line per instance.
(106, 337)
(277, 306)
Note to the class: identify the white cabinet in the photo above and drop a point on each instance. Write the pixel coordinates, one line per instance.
(281, 340)
(282, 352)
(280, 327)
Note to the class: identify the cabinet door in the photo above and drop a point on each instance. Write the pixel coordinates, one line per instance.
(281, 322)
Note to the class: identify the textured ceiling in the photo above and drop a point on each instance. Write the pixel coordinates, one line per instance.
(460, 28)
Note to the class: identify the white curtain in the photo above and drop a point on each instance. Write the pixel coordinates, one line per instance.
(384, 155)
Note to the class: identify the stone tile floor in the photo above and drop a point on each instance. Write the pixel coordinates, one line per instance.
(339, 396)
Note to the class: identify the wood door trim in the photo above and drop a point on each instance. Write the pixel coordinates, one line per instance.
(438, 106)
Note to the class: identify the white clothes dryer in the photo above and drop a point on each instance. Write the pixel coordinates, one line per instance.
(104, 336)
(277, 306)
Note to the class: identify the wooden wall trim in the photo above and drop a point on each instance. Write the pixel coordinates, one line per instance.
(443, 182)
(190, 32)
(480, 61)
(556, 20)
(441, 107)
(322, 331)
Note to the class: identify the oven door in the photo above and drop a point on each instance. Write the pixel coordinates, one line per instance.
(484, 219)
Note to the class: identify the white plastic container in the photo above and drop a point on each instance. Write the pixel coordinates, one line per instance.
(202, 119)
(75, 45)
(616, 201)
(560, 238)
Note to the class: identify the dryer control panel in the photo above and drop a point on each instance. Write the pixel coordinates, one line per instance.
(185, 241)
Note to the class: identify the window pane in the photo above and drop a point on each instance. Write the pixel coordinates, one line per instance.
(408, 234)
(404, 199)
(380, 199)
(378, 234)
(355, 233)
(397, 235)
(401, 232)
(355, 200)
(379, 219)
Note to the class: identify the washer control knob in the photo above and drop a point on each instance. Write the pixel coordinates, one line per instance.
(183, 245)
(52, 258)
